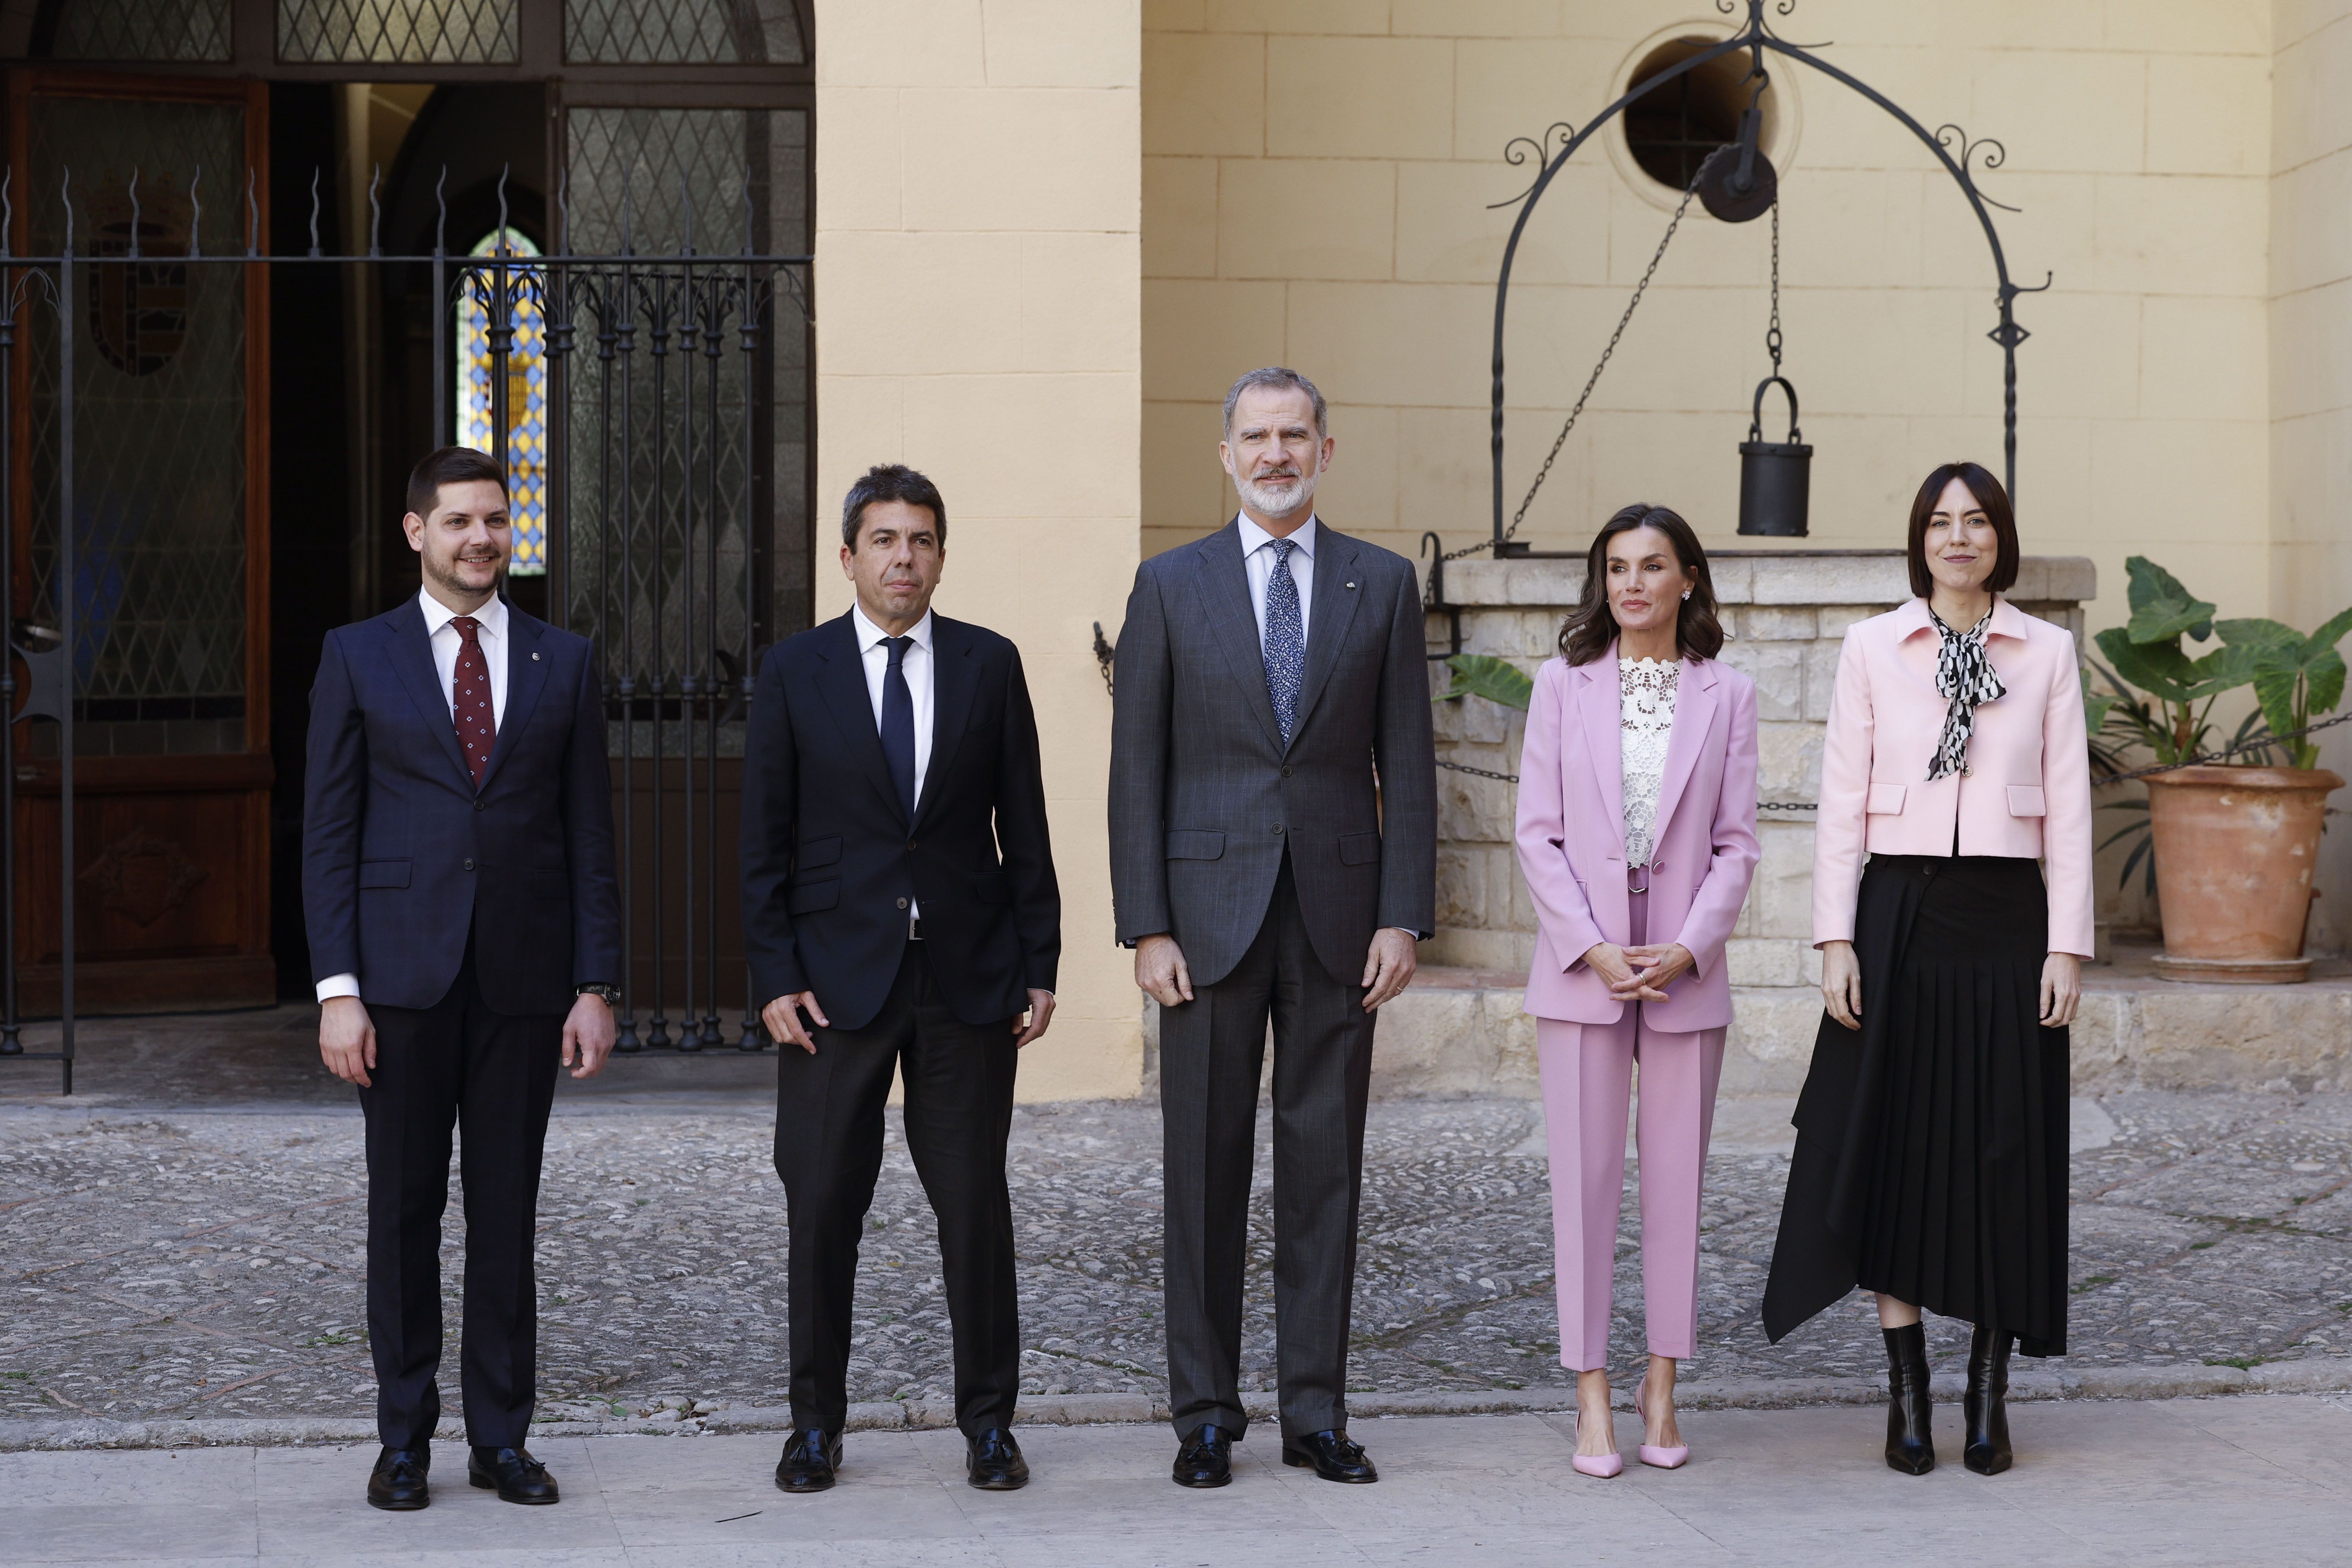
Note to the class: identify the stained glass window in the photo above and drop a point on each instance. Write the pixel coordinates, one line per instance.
(398, 32)
(141, 30)
(682, 32)
(526, 395)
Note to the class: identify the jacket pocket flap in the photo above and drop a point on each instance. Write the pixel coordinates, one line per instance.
(1360, 849)
(1885, 799)
(2025, 800)
(1195, 843)
(818, 852)
(383, 873)
(809, 898)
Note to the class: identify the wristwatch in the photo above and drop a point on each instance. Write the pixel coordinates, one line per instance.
(610, 993)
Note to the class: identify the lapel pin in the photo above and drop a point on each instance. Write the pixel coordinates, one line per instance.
(1351, 585)
(534, 657)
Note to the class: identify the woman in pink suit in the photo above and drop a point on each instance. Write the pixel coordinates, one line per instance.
(1637, 833)
(1930, 1163)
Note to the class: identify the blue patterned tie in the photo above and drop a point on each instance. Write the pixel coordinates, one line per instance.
(1285, 638)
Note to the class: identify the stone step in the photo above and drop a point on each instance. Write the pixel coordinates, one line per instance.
(1461, 1032)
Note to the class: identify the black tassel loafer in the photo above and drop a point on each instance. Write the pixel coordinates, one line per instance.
(1331, 1456)
(993, 1462)
(513, 1474)
(809, 1461)
(1205, 1458)
(398, 1483)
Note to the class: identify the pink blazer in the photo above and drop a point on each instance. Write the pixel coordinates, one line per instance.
(1571, 837)
(2027, 790)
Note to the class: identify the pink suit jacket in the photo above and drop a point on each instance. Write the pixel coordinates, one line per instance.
(1571, 837)
(2027, 790)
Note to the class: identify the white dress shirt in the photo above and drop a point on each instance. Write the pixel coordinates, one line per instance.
(1258, 560)
(874, 647)
(445, 641)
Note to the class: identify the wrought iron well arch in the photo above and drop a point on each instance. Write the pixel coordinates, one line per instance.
(1758, 39)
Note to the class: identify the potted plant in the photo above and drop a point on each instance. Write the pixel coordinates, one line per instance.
(2233, 845)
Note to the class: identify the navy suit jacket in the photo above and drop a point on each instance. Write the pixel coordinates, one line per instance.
(402, 855)
(830, 859)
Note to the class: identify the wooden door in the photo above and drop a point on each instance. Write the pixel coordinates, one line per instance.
(169, 483)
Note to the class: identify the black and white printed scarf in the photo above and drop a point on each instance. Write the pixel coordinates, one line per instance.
(1965, 677)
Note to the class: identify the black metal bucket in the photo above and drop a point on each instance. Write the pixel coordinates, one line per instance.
(1775, 476)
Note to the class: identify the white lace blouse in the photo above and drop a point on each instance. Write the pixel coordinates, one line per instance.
(1647, 718)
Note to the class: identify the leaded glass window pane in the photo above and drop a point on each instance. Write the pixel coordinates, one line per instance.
(526, 457)
(142, 30)
(159, 421)
(650, 181)
(398, 32)
(682, 32)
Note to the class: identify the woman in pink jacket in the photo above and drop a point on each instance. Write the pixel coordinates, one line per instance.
(1930, 1164)
(1637, 833)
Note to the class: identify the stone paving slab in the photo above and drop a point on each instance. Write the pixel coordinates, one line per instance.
(2190, 1482)
(206, 1265)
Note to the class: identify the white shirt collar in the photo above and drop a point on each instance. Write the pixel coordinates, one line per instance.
(1253, 536)
(492, 615)
(868, 634)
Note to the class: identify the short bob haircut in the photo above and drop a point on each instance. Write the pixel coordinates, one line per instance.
(1586, 634)
(890, 481)
(1995, 502)
(449, 465)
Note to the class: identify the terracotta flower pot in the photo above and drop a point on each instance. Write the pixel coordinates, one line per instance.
(2235, 850)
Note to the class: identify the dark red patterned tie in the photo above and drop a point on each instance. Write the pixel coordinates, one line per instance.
(477, 724)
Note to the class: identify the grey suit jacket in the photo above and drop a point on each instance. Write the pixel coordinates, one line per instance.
(1203, 795)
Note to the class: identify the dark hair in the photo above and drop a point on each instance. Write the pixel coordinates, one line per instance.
(449, 465)
(1990, 495)
(1585, 635)
(890, 481)
(1281, 376)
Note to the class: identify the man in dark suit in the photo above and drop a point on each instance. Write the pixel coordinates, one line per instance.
(1272, 845)
(898, 890)
(458, 889)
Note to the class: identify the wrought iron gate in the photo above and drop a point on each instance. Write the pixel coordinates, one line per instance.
(630, 396)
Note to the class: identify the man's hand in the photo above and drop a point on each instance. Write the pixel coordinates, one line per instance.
(1388, 965)
(347, 1039)
(783, 1018)
(1842, 983)
(588, 1034)
(1656, 965)
(2062, 989)
(1159, 970)
(1040, 1014)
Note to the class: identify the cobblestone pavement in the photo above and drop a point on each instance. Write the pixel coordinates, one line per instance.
(208, 1263)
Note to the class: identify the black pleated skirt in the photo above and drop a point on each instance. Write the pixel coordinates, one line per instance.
(1931, 1144)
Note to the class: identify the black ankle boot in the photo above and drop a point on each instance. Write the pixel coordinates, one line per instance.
(1986, 1449)
(1910, 1442)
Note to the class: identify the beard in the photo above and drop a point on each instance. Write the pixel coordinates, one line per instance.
(445, 573)
(1277, 498)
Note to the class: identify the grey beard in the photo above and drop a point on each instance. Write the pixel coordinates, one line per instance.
(1279, 498)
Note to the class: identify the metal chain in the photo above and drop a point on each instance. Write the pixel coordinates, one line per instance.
(1590, 382)
(1772, 333)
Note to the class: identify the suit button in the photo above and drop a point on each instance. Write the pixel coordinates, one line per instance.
(1285, 770)
(469, 864)
(911, 845)
(1657, 864)
(902, 903)
(481, 806)
(1277, 831)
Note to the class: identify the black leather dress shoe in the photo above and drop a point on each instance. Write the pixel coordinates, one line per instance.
(398, 1482)
(512, 1473)
(1207, 1458)
(993, 1462)
(1332, 1456)
(809, 1461)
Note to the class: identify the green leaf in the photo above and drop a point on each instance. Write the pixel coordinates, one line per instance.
(2327, 676)
(2161, 608)
(2256, 634)
(2333, 632)
(1496, 680)
(2162, 671)
(2096, 704)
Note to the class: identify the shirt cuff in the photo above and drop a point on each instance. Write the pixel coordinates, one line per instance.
(335, 985)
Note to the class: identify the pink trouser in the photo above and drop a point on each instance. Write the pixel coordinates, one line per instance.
(1587, 1083)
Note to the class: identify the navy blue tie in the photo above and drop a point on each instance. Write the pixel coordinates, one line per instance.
(1285, 638)
(899, 725)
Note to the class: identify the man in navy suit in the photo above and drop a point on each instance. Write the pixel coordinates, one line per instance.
(458, 884)
(898, 890)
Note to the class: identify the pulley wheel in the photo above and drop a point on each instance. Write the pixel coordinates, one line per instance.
(1715, 185)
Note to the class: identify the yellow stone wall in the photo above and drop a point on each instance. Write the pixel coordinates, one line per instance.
(978, 195)
(2311, 358)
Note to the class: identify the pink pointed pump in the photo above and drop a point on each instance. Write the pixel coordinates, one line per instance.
(1600, 1467)
(1652, 1454)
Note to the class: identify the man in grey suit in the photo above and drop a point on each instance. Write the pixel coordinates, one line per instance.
(1273, 845)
